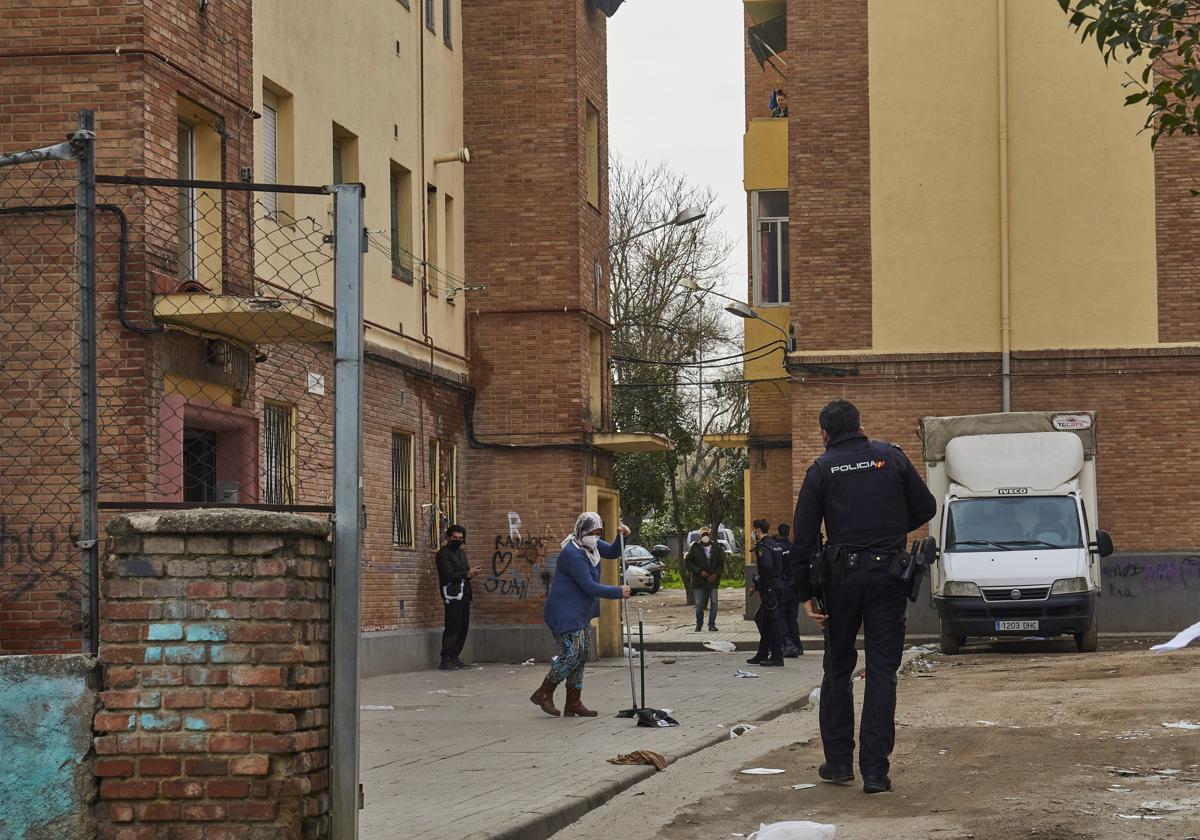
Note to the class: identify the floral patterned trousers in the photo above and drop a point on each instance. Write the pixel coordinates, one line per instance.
(570, 658)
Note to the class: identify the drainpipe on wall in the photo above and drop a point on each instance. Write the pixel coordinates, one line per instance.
(1005, 266)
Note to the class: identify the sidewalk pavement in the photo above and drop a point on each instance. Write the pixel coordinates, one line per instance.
(465, 755)
(744, 634)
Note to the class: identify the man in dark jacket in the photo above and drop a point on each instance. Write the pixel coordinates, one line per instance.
(869, 497)
(768, 583)
(789, 608)
(454, 581)
(705, 561)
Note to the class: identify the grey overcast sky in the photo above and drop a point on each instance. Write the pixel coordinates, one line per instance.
(676, 94)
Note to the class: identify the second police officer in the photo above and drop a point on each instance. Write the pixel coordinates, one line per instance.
(869, 496)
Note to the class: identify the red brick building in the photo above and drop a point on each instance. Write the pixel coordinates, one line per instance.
(968, 242)
(487, 330)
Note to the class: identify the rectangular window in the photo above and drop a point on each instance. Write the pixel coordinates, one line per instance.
(443, 481)
(596, 377)
(771, 270)
(400, 189)
(449, 211)
(185, 169)
(279, 454)
(432, 263)
(429, 24)
(593, 155)
(447, 12)
(270, 129)
(338, 165)
(403, 510)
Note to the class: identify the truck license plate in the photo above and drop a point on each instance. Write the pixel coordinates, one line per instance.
(1016, 625)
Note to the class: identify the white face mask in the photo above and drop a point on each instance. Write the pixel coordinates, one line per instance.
(706, 539)
(591, 541)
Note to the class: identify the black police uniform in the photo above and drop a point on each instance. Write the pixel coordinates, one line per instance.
(769, 586)
(789, 607)
(870, 496)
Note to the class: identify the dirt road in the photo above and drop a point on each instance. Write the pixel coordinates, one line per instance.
(991, 746)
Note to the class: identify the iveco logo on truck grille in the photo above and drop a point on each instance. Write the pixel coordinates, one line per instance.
(1013, 491)
(861, 465)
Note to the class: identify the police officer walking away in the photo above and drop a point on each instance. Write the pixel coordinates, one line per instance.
(454, 581)
(869, 496)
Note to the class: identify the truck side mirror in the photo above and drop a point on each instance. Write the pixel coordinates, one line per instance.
(1103, 544)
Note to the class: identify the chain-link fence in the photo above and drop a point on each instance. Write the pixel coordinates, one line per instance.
(168, 342)
(42, 576)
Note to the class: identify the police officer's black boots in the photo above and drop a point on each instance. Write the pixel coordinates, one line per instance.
(835, 774)
(876, 784)
(447, 664)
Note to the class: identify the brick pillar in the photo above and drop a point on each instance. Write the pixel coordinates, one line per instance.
(214, 717)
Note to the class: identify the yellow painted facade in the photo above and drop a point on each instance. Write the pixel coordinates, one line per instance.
(373, 76)
(1079, 176)
(759, 334)
(765, 155)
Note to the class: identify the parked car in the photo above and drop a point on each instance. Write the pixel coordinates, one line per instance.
(725, 538)
(650, 561)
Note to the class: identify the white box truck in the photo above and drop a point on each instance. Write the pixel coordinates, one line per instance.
(1016, 499)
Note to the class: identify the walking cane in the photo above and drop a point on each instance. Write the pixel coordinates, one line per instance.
(633, 708)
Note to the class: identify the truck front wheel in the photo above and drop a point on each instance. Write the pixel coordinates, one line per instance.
(1089, 640)
(951, 643)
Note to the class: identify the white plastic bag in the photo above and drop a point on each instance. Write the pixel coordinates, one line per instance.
(794, 830)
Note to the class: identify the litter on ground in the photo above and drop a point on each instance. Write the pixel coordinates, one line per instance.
(761, 771)
(721, 646)
(804, 786)
(1181, 640)
(378, 708)
(528, 662)
(1182, 724)
(745, 675)
(741, 729)
(794, 830)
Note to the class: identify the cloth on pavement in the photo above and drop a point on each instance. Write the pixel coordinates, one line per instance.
(1182, 640)
(656, 760)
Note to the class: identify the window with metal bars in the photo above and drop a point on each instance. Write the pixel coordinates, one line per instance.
(403, 509)
(447, 11)
(279, 448)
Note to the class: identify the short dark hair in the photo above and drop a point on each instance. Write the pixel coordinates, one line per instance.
(839, 418)
(762, 525)
(456, 529)
(784, 529)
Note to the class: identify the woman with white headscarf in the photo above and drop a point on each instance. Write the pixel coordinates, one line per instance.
(573, 601)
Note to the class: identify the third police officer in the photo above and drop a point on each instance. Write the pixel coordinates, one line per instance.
(869, 497)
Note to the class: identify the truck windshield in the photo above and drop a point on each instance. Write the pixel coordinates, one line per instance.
(1013, 523)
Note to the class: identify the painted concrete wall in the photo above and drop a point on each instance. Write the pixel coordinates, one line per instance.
(357, 63)
(1157, 593)
(46, 782)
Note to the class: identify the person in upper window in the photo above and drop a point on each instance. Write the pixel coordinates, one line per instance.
(779, 106)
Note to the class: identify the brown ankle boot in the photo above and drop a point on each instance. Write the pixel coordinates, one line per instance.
(543, 698)
(575, 707)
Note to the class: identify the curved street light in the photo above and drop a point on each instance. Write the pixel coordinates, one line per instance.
(686, 216)
(736, 307)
